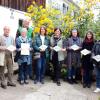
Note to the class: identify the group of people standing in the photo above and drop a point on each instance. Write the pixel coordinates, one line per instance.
(43, 48)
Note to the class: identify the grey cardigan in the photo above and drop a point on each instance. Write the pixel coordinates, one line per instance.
(60, 44)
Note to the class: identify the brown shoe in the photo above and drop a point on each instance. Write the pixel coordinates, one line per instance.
(3, 86)
(11, 84)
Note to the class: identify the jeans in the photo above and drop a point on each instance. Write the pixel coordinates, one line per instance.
(23, 72)
(40, 68)
(30, 68)
(98, 77)
(71, 72)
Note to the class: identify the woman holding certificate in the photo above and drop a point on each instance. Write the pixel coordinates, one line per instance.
(41, 53)
(86, 59)
(23, 46)
(57, 53)
(74, 45)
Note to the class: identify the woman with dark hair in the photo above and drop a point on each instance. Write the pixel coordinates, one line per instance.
(86, 59)
(57, 56)
(40, 43)
(73, 55)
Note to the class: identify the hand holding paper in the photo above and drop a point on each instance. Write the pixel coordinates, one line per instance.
(85, 52)
(11, 48)
(75, 47)
(97, 58)
(43, 47)
(57, 48)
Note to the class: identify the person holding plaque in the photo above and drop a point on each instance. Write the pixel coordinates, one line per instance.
(6, 41)
(96, 62)
(87, 64)
(24, 47)
(57, 53)
(73, 45)
(26, 24)
(41, 53)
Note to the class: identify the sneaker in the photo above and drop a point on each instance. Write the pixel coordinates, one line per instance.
(97, 90)
(26, 82)
(21, 82)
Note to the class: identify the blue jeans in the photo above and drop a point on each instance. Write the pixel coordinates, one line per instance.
(71, 72)
(23, 72)
(40, 68)
(30, 68)
(98, 77)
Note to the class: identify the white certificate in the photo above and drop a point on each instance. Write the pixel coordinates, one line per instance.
(25, 49)
(85, 52)
(57, 48)
(2, 58)
(75, 47)
(97, 58)
(43, 47)
(11, 48)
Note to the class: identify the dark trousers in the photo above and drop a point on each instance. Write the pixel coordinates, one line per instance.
(23, 68)
(30, 71)
(57, 70)
(97, 77)
(87, 76)
(40, 68)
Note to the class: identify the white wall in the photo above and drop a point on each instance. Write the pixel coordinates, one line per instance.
(5, 19)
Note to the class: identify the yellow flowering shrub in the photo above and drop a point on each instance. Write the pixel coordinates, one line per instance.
(51, 17)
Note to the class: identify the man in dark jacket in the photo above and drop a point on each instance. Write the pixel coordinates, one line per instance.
(96, 51)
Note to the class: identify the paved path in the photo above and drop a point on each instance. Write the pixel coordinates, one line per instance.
(48, 91)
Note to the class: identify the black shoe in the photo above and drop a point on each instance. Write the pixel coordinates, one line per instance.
(74, 81)
(35, 81)
(84, 85)
(26, 82)
(11, 84)
(70, 81)
(89, 86)
(42, 82)
(58, 83)
(31, 78)
(3, 86)
(54, 80)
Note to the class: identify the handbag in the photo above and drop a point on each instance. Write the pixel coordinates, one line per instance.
(17, 55)
(37, 55)
(2, 58)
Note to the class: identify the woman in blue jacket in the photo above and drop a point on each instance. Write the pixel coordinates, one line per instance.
(40, 54)
(24, 60)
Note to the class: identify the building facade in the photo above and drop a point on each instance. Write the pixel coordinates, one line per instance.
(62, 5)
(20, 4)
